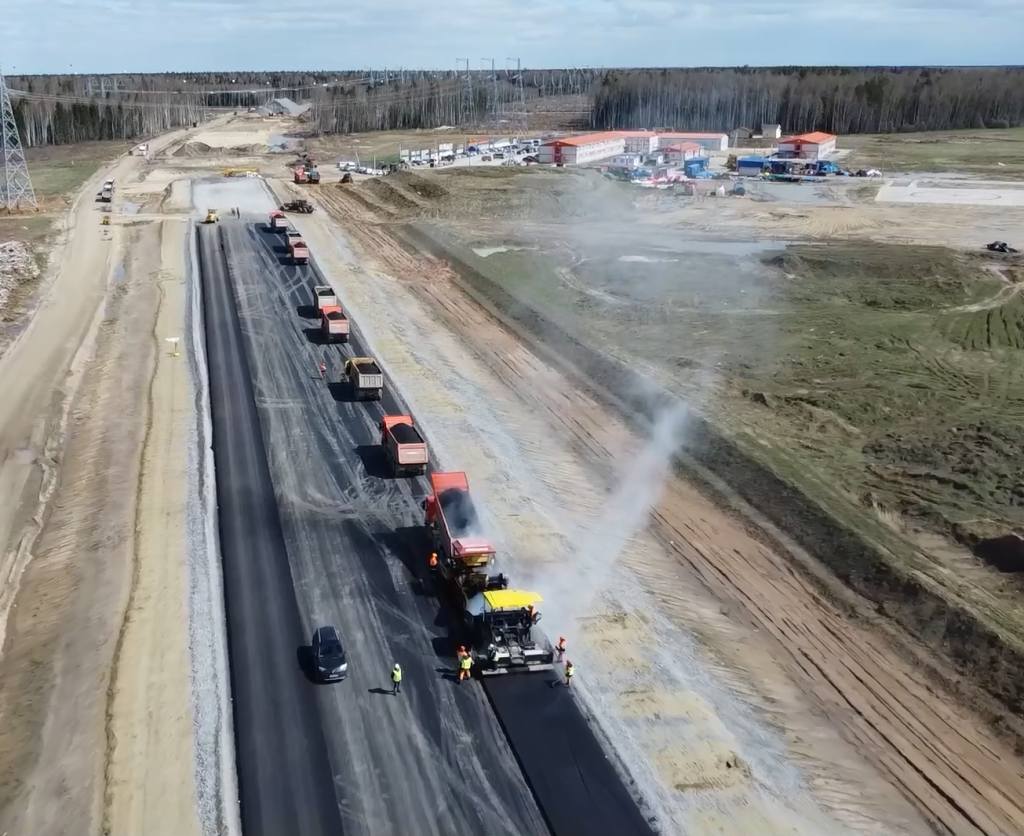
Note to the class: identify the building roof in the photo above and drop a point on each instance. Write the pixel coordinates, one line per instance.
(813, 138)
(683, 146)
(587, 139)
(693, 135)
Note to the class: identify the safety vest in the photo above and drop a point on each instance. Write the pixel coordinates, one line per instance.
(569, 670)
(466, 663)
(396, 676)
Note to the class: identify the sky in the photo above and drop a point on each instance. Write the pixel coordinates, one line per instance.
(111, 36)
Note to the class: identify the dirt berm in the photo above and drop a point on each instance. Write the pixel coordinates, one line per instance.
(719, 466)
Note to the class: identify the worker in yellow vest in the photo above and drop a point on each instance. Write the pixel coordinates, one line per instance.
(396, 679)
(465, 666)
(569, 671)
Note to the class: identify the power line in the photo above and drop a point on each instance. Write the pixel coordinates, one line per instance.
(16, 186)
(466, 105)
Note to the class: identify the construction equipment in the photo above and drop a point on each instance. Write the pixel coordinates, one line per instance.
(298, 250)
(365, 378)
(278, 222)
(211, 216)
(403, 445)
(106, 220)
(334, 325)
(500, 624)
(106, 194)
(324, 297)
(302, 206)
(498, 620)
(312, 176)
(300, 175)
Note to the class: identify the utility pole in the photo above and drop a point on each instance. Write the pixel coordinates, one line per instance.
(517, 114)
(16, 190)
(466, 109)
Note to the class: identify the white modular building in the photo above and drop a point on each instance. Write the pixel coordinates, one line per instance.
(580, 150)
(708, 142)
(641, 142)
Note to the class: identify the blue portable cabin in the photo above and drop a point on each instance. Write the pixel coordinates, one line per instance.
(694, 166)
(752, 166)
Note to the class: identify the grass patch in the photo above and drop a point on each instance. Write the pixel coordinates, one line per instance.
(994, 153)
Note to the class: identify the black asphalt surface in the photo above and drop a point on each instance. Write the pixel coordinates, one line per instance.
(434, 759)
(283, 768)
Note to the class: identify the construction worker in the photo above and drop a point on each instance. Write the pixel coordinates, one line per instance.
(465, 666)
(569, 671)
(433, 560)
(560, 647)
(323, 370)
(396, 679)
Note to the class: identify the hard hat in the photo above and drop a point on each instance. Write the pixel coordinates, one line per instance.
(462, 649)
(397, 666)
(561, 638)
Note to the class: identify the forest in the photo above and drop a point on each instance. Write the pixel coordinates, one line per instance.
(55, 110)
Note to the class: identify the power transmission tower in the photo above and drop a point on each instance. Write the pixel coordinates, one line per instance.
(517, 112)
(466, 109)
(16, 190)
(494, 108)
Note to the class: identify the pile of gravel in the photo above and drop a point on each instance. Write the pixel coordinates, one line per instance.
(17, 264)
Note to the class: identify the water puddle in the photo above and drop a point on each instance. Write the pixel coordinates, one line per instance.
(118, 275)
(484, 252)
(130, 208)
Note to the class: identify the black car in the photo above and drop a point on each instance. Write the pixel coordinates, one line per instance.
(330, 662)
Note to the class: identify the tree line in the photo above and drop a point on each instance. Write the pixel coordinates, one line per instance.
(53, 110)
(800, 99)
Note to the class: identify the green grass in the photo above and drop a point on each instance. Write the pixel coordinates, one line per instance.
(995, 153)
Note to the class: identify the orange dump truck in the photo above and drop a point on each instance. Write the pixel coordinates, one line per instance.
(298, 250)
(454, 525)
(300, 175)
(403, 445)
(334, 324)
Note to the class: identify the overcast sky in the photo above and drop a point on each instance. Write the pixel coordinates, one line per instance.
(106, 36)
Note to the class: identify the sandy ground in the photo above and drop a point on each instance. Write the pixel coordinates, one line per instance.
(786, 715)
(95, 701)
(992, 194)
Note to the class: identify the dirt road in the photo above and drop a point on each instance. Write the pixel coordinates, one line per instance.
(877, 744)
(97, 725)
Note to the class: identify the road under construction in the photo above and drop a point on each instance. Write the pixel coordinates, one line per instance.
(312, 533)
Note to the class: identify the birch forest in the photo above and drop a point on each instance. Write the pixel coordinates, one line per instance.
(55, 110)
(836, 100)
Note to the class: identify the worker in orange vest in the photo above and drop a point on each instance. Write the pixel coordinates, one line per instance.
(433, 560)
(560, 647)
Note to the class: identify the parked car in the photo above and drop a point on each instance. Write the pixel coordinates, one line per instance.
(330, 662)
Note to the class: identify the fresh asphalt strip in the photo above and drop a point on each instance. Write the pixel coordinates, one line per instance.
(284, 724)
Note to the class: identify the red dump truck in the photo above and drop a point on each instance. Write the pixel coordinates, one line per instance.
(334, 324)
(403, 445)
(454, 525)
(278, 222)
(298, 250)
(300, 175)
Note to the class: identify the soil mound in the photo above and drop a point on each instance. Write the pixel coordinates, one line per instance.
(193, 149)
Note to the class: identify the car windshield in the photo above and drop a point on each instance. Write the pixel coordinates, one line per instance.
(331, 648)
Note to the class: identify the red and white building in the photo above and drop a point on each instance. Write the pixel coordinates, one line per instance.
(678, 154)
(810, 146)
(708, 142)
(580, 150)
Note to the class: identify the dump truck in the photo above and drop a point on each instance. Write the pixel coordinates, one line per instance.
(211, 216)
(313, 176)
(334, 325)
(106, 195)
(403, 445)
(300, 175)
(365, 378)
(500, 622)
(278, 222)
(298, 250)
(303, 206)
(324, 297)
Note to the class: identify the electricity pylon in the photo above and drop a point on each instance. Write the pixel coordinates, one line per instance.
(16, 190)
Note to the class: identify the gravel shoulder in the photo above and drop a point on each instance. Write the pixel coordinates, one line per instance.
(91, 589)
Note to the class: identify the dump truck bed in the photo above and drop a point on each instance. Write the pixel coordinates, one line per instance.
(366, 368)
(406, 434)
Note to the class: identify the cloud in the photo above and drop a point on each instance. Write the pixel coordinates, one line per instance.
(160, 35)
